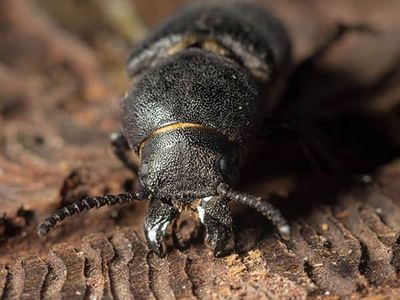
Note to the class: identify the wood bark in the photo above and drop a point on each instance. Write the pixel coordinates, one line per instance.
(61, 75)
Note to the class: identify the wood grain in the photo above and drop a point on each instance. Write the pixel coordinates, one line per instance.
(61, 76)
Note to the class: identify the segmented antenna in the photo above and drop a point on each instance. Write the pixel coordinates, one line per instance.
(263, 207)
(86, 203)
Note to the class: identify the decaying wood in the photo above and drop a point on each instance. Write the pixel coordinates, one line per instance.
(59, 89)
(349, 247)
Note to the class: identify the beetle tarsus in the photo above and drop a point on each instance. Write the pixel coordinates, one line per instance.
(159, 217)
(86, 204)
(218, 236)
(257, 203)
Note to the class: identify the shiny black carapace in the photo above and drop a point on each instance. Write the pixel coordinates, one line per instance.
(202, 83)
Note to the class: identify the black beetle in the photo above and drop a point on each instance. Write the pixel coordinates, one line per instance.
(201, 82)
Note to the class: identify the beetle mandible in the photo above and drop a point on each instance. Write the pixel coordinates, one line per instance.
(202, 81)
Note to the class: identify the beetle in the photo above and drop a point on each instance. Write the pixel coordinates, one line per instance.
(201, 84)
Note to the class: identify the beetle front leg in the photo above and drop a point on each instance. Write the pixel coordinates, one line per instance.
(215, 215)
(121, 151)
(159, 217)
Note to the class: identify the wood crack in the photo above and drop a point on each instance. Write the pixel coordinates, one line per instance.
(3, 279)
(93, 271)
(159, 277)
(139, 268)
(395, 261)
(15, 282)
(102, 246)
(178, 278)
(376, 256)
(74, 286)
(35, 274)
(119, 271)
(190, 277)
(57, 275)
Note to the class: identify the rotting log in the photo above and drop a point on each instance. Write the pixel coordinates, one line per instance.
(59, 87)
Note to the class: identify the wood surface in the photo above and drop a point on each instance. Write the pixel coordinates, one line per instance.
(61, 78)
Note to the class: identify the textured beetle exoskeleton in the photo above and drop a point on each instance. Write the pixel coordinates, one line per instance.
(203, 81)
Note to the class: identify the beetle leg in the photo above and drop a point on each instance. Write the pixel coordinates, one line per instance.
(121, 150)
(159, 216)
(281, 130)
(317, 153)
(215, 214)
(308, 65)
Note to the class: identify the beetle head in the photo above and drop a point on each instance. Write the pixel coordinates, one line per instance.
(187, 163)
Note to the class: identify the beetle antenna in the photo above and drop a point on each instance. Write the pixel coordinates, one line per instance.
(263, 207)
(86, 203)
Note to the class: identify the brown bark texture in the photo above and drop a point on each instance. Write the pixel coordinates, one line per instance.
(61, 77)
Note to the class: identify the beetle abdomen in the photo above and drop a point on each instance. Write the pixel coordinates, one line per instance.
(243, 29)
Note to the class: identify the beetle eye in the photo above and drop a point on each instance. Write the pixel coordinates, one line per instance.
(224, 164)
(144, 170)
